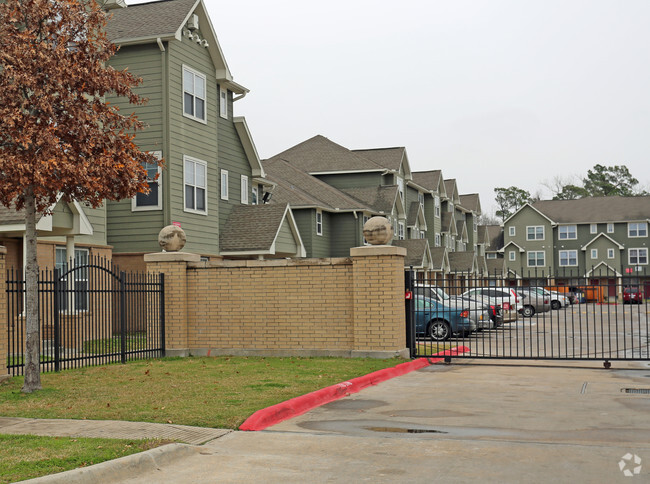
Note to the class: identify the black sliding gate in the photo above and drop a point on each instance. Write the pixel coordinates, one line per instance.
(604, 317)
(91, 314)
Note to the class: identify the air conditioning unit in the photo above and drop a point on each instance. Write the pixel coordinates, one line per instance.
(193, 22)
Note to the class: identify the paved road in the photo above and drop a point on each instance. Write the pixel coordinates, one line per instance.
(579, 331)
(465, 422)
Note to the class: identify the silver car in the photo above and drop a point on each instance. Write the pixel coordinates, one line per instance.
(533, 301)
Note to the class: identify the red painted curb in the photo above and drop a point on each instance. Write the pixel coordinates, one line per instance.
(297, 406)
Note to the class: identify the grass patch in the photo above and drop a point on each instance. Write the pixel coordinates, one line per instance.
(28, 456)
(114, 344)
(17, 360)
(218, 392)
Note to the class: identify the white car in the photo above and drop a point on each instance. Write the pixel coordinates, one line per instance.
(558, 300)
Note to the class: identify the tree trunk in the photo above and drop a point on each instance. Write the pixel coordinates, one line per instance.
(32, 334)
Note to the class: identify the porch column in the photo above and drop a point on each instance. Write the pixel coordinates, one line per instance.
(70, 259)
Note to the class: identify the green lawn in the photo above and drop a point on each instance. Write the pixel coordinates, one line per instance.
(209, 392)
(28, 456)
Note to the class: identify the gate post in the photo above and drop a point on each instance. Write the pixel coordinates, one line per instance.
(4, 329)
(174, 267)
(378, 299)
(409, 306)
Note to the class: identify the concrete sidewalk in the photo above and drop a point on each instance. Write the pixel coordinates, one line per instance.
(465, 422)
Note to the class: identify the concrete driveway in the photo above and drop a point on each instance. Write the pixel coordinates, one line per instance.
(466, 422)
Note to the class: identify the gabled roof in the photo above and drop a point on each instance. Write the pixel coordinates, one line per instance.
(482, 236)
(602, 269)
(471, 202)
(320, 155)
(165, 20)
(301, 190)
(481, 265)
(584, 247)
(440, 259)
(390, 158)
(462, 261)
(418, 254)
(13, 221)
(448, 223)
(521, 249)
(596, 209)
(380, 199)
(254, 229)
(494, 234)
(528, 205)
(415, 216)
(249, 146)
(461, 228)
(429, 180)
(495, 267)
(451, 190)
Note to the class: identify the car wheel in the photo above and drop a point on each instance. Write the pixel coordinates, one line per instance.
(527, 311)
(556, 304)
(439, 330)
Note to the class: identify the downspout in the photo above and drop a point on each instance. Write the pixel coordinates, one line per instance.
(166, 184)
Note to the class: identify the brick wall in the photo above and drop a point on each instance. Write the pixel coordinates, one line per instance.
(342, 306)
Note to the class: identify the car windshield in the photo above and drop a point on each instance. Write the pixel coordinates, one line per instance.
(441, 294)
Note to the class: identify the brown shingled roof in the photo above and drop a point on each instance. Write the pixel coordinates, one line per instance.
(390, 158)
(428, 179)
(252, 227)
(416, 252)
(596, 209)
(154, 19)
(471, 202)
(380, 199)
(319, 154)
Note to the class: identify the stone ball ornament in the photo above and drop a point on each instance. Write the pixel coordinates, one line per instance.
(172, 238)
(378, 231)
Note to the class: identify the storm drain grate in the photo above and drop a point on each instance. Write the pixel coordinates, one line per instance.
(636, 391)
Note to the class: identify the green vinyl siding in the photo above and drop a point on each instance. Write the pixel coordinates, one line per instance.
(130, 231)
(285, 242)
(352, 180)
(346, 233)
(303, 218)
(232, 158)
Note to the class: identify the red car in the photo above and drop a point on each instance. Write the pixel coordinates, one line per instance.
(632, 294)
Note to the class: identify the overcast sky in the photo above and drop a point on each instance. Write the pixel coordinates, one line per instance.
(494, 93)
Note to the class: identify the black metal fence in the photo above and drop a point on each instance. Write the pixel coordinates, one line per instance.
(529, 316)
(90, 314)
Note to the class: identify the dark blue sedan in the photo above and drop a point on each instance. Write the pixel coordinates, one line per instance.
(439, 321)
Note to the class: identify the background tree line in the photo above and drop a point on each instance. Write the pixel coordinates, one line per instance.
(600, 181)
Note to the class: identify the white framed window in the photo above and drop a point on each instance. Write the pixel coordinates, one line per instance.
(638, 257)
(610, 253)
(491, 255)
(535, 232)
(421, 198)
(512, 231)
(536, 258)
(365, 219)
(254, 195)
(437, 240)
(423, 234)
(80, 284)
(224, 184)
(568, 258)
(593, 228)
(319, 222)
(400, 186)
(594, 253)
(436, 206)
(637, 229)
(610, 228)
(223, 103)
(152, 200)
(400, 230)
(512, 256)
(194, 94)
(567, 232)
(244, 189)
(196, 196)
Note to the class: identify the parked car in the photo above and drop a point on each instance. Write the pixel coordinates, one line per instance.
(440, 321)
(482, 312)
(506, 297)
(533, 301)
(632, 294)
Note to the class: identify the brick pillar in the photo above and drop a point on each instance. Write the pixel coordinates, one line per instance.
(4, 330)
(378, 285)
(174, 266)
